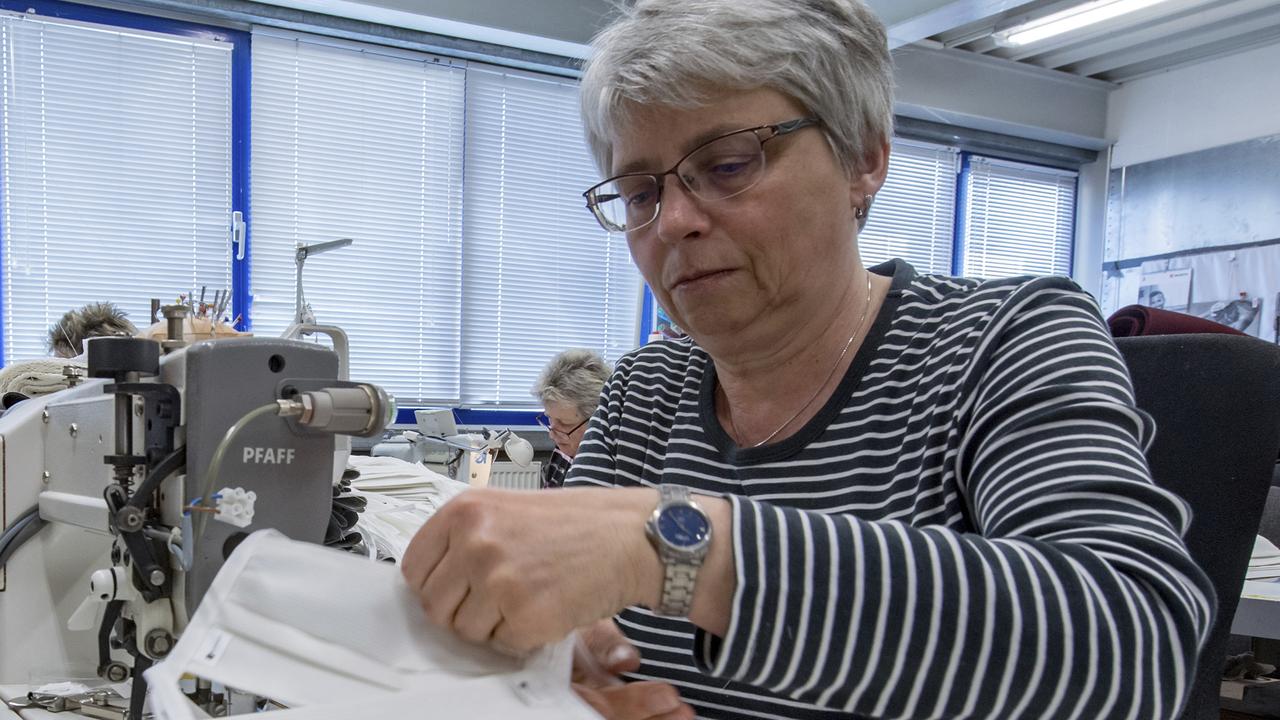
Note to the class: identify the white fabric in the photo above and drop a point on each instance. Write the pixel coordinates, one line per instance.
(393, 476)
(400, 496)
(35, 377)
(329, 634)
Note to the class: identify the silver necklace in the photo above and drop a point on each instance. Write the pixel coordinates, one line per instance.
(857, 329)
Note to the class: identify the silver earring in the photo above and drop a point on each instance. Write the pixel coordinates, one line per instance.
(861, 212)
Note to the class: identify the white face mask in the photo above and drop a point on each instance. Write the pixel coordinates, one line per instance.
(337, 635)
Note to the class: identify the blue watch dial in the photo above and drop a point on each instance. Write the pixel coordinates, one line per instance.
(683, 526)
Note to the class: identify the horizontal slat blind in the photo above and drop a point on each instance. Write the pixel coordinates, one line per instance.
(116, 171)
(539, 274)
(1018, 219)
(913, 215)
(362, 142)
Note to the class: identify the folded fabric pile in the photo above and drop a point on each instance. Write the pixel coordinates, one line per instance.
(36, 377)
(399, 497)
(1135, 320)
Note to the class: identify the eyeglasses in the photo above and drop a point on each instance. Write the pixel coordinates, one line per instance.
(545, 422)
(715, 170)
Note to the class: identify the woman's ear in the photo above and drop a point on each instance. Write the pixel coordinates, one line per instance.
(870, 175)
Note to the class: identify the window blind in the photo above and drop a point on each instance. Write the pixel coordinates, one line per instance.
(913, 215)
(1018, 219)
(116, 171)
(356, 141)
(540, 275)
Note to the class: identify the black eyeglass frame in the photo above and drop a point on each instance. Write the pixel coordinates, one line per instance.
(545, 422)
(775, 130)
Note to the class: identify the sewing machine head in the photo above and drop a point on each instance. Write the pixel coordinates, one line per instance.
(127, 468)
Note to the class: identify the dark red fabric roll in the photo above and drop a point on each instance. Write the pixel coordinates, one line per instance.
(1134, 320)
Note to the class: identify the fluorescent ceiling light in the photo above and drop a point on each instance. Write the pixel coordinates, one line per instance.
(1070, 19)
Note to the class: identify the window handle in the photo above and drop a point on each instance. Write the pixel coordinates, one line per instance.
(237, 233)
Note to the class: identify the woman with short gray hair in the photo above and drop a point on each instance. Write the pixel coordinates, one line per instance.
(851, 490)
(569, 389)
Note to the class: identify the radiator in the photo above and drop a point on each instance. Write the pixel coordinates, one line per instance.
(510, 476)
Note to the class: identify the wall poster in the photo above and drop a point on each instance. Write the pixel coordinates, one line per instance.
(1239, 288)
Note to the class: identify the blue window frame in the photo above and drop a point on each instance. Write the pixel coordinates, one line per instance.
(1013, 218)
(236, 179)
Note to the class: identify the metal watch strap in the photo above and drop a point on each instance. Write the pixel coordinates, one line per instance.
(668, 494)
(677, 589)
(680, 575)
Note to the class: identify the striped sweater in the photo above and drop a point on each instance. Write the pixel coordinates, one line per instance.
(968, 528)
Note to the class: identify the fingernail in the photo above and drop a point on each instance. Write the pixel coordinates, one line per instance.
(621, 654)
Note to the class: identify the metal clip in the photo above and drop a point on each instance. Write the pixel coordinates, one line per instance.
(102, 703)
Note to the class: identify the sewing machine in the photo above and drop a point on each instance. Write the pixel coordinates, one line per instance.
(468, 457)
(146, 475)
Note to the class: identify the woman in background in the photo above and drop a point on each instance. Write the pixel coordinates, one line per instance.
(569, 390)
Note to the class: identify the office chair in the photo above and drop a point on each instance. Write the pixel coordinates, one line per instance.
(1216, 403)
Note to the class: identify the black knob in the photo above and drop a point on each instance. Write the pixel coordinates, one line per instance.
(116, 357)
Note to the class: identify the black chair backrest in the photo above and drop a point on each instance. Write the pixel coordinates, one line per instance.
(1216, 403)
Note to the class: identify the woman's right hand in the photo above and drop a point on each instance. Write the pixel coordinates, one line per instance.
(601, 654)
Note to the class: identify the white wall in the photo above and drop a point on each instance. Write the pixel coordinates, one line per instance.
(1091, 226)
(1217, 102)
(557, 27)
(572, 20)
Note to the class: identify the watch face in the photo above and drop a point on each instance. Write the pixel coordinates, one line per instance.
(683, 526)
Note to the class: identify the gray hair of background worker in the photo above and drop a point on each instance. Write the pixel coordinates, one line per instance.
(67, 335)
(573, 377)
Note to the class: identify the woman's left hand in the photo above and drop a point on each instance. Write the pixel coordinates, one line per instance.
(518, 570)
(601, 654)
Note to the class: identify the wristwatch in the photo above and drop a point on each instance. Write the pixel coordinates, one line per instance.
(681, 533)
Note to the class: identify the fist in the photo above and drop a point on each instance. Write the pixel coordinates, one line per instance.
(517, 569)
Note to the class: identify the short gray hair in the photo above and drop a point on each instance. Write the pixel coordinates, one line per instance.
(574, 377)
(832, 56)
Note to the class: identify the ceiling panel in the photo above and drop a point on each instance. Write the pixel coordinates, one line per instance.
(1162, 36)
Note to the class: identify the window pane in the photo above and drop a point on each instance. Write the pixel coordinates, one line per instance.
(117, 171)
(913, 215)
(1019, 219)
(356, 141)
(540, 274)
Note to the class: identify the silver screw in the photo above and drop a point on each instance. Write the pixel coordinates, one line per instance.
(157, 577)
(45, 476)
(116, 672)
(73, 429)
(158, 642)
(44, 416)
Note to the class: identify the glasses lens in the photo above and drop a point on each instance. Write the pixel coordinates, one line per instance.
(724, 167)
(626, 202)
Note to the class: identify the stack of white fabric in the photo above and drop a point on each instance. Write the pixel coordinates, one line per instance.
(1264, 563)
(400, 497)
(394, 477)
(35, 377)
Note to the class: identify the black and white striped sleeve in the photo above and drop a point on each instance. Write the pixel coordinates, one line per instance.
(1074, 598)
(618, 443)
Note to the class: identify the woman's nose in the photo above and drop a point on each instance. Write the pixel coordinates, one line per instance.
(680, 215)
